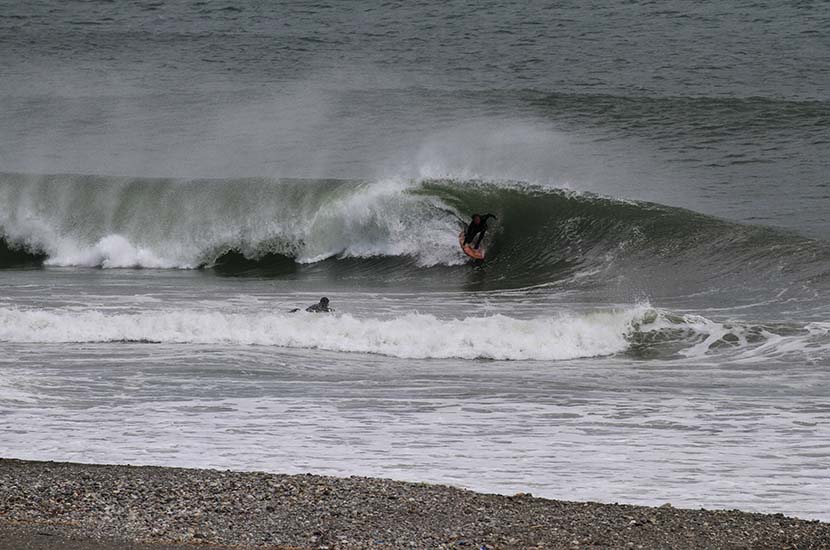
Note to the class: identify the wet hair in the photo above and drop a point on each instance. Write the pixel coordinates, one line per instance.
(476, 216)
(324, 301)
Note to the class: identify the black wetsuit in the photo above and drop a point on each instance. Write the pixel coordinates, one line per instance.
(477, 229)
(321, 307)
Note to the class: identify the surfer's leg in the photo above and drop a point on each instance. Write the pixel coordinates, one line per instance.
(478, 240)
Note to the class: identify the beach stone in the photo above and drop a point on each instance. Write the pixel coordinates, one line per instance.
(249, 510)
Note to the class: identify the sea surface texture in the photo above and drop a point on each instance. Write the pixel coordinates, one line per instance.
(652, 323)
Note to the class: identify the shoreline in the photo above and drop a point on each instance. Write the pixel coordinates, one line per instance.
(51, 505)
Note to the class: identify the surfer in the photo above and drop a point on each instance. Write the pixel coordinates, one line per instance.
(321, 307)
(477, 227)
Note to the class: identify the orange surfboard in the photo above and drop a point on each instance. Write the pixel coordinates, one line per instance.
(469, 250)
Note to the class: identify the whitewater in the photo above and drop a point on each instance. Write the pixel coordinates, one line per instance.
(410, 336)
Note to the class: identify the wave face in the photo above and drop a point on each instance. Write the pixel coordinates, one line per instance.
(391, 230)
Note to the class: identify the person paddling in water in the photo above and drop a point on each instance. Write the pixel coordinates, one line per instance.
(321, 307)
(477, 227)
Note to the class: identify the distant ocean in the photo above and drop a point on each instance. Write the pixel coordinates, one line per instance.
(652, 323)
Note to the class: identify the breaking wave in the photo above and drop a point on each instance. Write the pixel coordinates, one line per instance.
(409, 336)
(638, 331)
(391, 228)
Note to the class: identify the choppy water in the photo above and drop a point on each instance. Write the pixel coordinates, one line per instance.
(652, 321)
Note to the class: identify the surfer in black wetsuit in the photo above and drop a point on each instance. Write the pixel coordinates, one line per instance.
(321, 307)
(478, 226)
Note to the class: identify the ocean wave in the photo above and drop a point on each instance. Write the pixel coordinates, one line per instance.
(413, 335)
(638, 331)
(124, 222)
(392, 228)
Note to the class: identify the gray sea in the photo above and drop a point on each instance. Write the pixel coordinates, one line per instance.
(652, 321)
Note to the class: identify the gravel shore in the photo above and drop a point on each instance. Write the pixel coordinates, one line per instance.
(47, 505)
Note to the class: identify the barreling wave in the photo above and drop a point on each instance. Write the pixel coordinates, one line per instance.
(389, 230)
(638, 331)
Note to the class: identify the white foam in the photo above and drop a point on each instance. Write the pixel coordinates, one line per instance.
(112, 251)
(413, 335)
(381, 219)
(701, 337)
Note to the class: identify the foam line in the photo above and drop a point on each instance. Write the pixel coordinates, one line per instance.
(564, 336)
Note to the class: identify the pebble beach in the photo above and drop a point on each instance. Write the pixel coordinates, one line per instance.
(50, 505)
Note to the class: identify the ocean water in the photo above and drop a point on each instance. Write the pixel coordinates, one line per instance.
(652, 323)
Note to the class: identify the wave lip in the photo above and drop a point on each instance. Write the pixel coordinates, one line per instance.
(411, 336)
